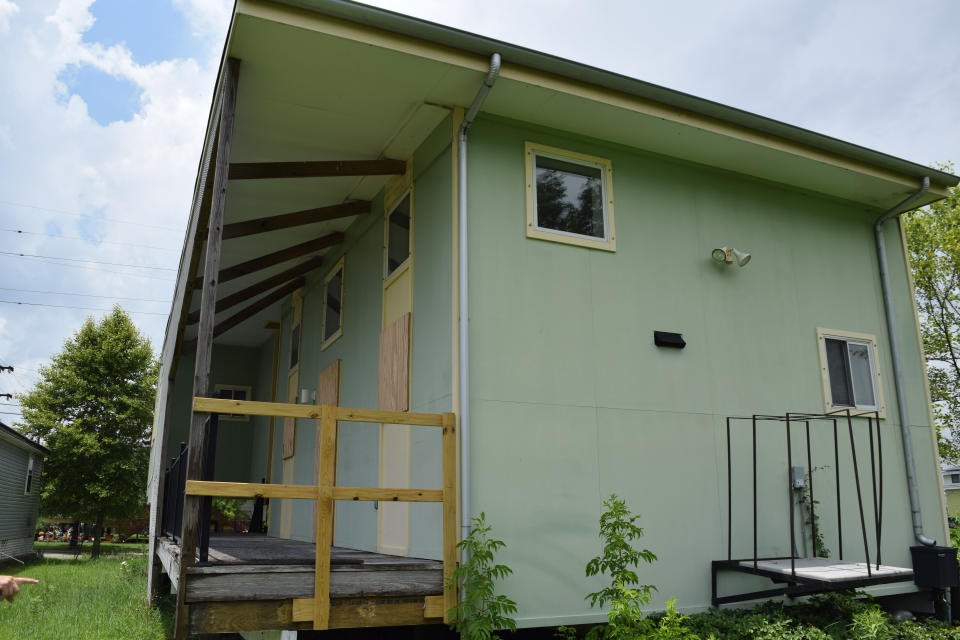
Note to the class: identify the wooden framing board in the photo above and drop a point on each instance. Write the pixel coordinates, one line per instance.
(351, 613)
(328, 458)
(295, 219)
(316, 169)
(268, 260)
(306, 491)
(234, 617)
(312, 412)
(450, 494)
(328, 392)
(208, 297)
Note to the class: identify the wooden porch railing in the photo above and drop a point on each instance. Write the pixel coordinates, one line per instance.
(326, 491)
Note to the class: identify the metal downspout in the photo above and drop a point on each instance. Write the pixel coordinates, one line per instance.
(897, 365)
(464, 297)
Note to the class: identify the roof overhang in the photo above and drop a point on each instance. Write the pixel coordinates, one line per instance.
(335, 80)
(18, 439)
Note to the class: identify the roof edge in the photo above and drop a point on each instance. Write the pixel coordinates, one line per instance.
(386, 20)
(36, 446)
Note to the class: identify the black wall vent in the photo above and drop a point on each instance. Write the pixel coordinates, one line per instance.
(668, 339)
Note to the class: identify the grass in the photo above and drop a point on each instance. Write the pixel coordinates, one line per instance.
(106, 548)
(103, 599)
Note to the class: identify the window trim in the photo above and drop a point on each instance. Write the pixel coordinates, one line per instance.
(531, 151)
(234, 417)
(390, 276)
(850, 336)
(339, 266)
(28, 479)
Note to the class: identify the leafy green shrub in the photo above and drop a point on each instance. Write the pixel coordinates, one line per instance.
(481, 612)
(871, 624)
(618, 531)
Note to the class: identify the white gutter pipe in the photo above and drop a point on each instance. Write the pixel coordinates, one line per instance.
(897, 365)
(464, 298)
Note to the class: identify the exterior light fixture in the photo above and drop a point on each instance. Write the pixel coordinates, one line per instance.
(729, 255)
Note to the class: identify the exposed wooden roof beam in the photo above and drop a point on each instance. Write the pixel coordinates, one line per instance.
(243, 295)
(251, 310)
(316, 169)
(270, 259)
(295, 219)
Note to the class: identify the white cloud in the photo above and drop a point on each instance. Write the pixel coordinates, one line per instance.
(7, 10)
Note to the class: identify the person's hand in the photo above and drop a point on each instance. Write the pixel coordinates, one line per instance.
(10, 586)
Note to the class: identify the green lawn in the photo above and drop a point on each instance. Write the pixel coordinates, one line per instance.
(103, 599)
(106, 548)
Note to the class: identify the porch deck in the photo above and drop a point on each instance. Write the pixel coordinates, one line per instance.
(259, 582)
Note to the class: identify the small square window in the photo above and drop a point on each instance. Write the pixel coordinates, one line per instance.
(398, 236)
(233, 392)
(955, 478)
(569, 197)
(332, 325)
(850, 374)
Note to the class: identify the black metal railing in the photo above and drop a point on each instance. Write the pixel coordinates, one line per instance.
(790, 421)
(174, 482)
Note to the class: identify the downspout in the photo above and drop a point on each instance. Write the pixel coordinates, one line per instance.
(897, 365)
(464, 298)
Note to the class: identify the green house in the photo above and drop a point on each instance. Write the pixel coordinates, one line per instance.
(428, 275)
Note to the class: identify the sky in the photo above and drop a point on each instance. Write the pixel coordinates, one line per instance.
(104, 103)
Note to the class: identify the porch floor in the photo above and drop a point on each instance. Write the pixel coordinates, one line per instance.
(246, 567)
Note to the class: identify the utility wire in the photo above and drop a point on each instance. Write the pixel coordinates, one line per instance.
(85, 295)
(64, 306)
(83, 215)
(98, 270)
(121, 244)
(110, 264)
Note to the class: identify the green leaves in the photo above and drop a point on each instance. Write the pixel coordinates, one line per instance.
(481, 612)
(933, 241)
(618, 531)
(93, 408)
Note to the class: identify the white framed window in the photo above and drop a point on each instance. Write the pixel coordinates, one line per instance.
(332, 323)
(28, 484)
(398, 235)
(850, 371)
(234, 392)
(569, 197)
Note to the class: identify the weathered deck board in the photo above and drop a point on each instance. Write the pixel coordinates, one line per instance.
(261, 568)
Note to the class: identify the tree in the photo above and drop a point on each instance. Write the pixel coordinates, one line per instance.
(933, 240)
(93, 407)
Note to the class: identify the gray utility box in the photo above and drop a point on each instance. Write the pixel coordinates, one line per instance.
(935, 567)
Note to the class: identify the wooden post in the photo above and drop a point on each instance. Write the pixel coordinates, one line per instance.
(449, 454)
(156, 506)
(201, 376)
(328, 460)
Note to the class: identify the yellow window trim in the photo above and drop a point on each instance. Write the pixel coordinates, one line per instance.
(822, 334)
(237, 418)
(530, 150)
(339, 266)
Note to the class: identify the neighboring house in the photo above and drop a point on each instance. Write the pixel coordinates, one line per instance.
(951, 486)
(21, 463)
(325, 263)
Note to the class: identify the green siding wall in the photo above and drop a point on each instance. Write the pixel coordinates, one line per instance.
(571, 400)
(18, 510)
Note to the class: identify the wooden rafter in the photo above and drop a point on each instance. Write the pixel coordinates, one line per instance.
(275, 296)
(295, 219)
(270, 259)
(253, 290)
(316, 169)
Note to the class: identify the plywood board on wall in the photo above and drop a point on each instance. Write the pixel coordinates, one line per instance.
(393, 388)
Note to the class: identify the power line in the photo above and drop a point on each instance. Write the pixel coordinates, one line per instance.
(12, 413)
(110, 264)
(84, 215)
(85, 295)
(121, 244)
(65, 306)
(120, 273)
